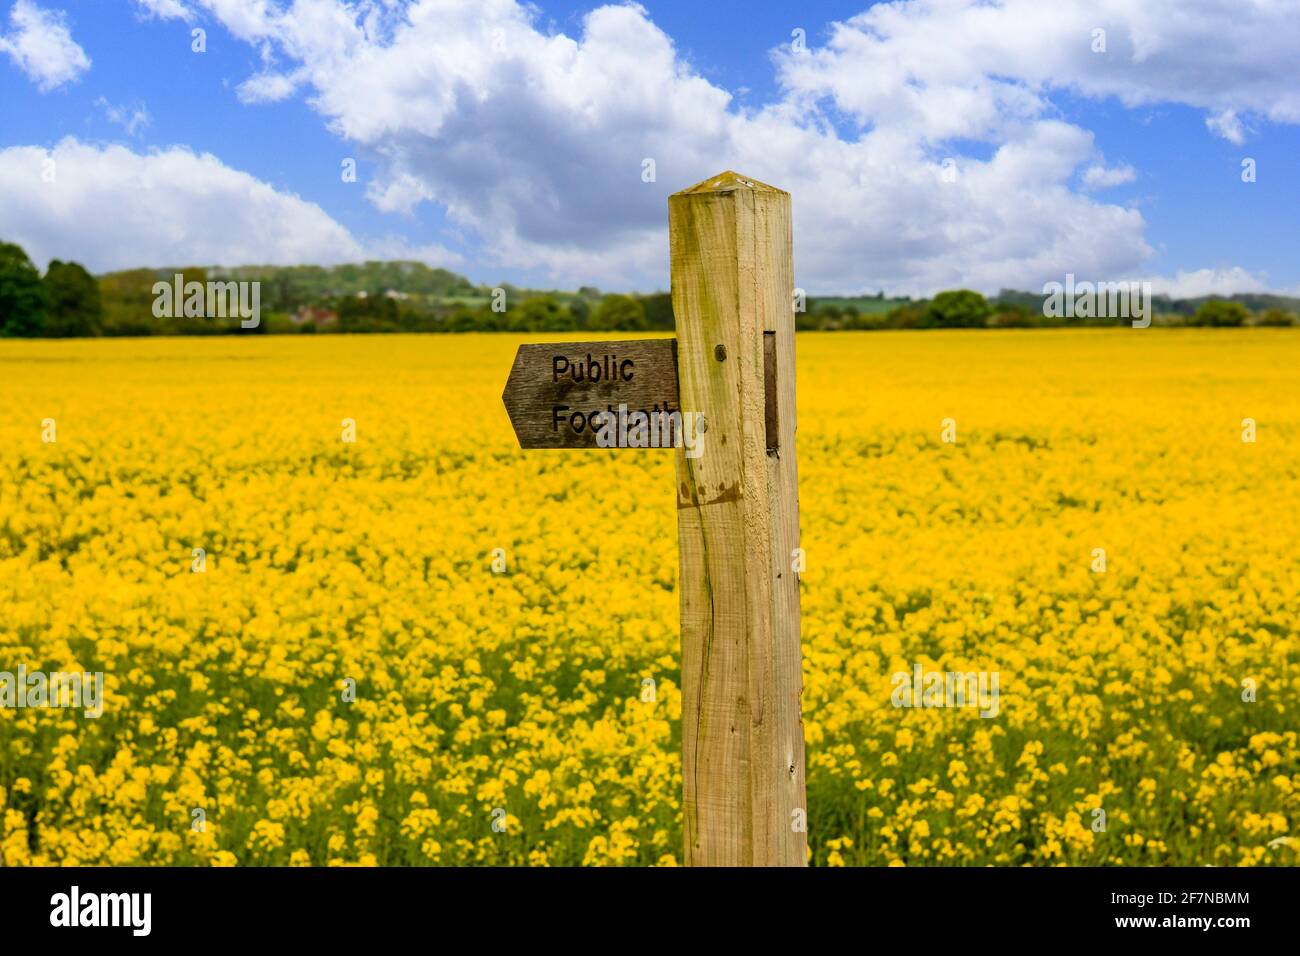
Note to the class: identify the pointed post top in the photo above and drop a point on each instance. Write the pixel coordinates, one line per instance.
(728, 181)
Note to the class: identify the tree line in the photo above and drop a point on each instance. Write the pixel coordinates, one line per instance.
(965, 309)
(67, 301)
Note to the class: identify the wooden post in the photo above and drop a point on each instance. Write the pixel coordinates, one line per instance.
(738, 525)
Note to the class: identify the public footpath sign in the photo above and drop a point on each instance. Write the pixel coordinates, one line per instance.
(722, 394)
(556, 392)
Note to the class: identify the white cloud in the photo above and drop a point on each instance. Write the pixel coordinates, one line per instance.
(130, 118)
(111, 208)
(252, 20)
(267, 88)
(400, 193)
(1098, 176)
(536, 141)
(1226, 124)
(959, 67)
(42, 47)
(165, 9)
(1201, 282)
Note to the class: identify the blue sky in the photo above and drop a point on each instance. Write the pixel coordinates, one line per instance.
(523, 163)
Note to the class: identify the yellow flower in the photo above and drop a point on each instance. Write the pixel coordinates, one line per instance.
(1157, 693)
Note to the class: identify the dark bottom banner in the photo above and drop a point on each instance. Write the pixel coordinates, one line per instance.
(946, 907)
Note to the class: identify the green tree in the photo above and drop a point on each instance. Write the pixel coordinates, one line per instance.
(1012, 317)
(367, 313)
(828, 316)
(1276, 317)
(957, 309)
(658, 311)
(73, 303)
(22, 294)
(127, 299)
(1221, 312)
(464, 319)
(618, 313)
(580, 309)
(540, 314)
(909, 315)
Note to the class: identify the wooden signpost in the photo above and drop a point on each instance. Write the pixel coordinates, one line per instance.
(737, 504)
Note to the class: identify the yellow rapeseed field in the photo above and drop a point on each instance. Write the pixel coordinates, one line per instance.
(1163, 692)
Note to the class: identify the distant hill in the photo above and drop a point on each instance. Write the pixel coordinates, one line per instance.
(863, 304)
(1255, 301)
(409, 296)
(285, 287)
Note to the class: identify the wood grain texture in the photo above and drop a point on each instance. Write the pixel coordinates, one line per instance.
(549, 383)
(738, 523)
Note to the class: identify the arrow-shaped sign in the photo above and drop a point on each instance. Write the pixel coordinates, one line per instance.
(556, 393)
